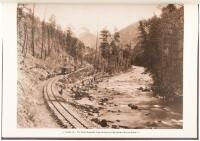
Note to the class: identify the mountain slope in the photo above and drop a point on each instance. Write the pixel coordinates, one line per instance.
(88, 39)
(129, 34)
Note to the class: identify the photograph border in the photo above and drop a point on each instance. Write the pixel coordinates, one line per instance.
(99, 138)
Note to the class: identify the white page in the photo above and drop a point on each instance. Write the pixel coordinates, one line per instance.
(9, 111)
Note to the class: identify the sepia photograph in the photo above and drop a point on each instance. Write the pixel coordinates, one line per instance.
(100, 66)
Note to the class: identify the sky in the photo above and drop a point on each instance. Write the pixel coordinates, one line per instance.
(93, 18)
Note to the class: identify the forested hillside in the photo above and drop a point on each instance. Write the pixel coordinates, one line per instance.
(44, 39)
(44, 49)
(160, 50)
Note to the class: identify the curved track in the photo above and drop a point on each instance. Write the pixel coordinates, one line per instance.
(65, 114)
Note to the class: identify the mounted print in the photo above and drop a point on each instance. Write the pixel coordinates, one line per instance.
(86, 70)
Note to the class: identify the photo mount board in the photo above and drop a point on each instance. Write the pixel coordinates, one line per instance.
(190, 90)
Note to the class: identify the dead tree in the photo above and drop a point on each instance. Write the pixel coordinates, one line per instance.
(32, 33)
(24, 46)
(42, 48)
(96, 57)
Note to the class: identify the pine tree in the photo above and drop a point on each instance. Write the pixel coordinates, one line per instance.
(105, 49)
(161, 39)
(115, 52)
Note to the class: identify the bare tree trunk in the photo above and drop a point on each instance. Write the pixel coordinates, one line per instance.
(96, 56)
(42, 40)
(48, 42)
(25, 47)
(25, 38)
(32, 33)
(45, 53)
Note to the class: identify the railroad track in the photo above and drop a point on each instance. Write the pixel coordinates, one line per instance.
(65, 114)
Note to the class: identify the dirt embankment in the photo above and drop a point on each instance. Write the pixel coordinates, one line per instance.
(31, 110)
(33, 73)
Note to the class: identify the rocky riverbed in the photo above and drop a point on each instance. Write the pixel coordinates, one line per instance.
(124, 100)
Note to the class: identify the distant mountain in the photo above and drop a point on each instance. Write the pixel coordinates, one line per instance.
(88, 39)
(129, 34)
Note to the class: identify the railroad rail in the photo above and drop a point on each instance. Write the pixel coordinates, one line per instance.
(65, 114)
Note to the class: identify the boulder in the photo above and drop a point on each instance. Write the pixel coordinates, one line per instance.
(132, 106)
(114, 126)
(103, 123)
(96, 120)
